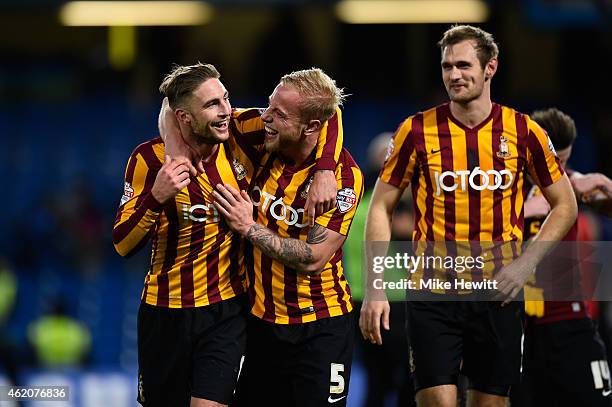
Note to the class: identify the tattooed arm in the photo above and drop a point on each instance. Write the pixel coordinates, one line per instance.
(308, 257)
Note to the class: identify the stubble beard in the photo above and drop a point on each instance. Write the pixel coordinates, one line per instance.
(204, 136)
(465, 98)
(271, 146)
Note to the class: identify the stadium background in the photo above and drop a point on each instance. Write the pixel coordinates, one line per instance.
(76, 100)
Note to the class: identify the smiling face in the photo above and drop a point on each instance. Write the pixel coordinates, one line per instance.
(208, 112)
(283, 121)
(464, 77)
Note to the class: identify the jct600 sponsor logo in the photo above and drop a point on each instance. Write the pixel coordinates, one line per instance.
(476, 179)
(277, 208)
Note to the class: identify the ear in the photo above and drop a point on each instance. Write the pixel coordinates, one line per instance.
(183, 116)
(491, 68)
(312, 127)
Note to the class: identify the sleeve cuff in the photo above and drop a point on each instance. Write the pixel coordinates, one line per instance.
(151, 203)
(325, 164)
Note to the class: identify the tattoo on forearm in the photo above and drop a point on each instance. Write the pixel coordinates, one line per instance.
(317, 234)
(291, 252)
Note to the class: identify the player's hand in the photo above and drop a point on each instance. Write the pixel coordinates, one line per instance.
(591, 187)
(511, 279)
(171, 178)
(236, 207)
(374, 313)
(175, 144)
(536, 207)
(321, 195)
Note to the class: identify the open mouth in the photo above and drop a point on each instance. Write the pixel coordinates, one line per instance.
(220, 125)
(270, 132)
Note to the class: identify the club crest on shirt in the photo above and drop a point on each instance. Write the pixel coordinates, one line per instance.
(503, 148)
(239, 169)
(304, 193)
(128, 193)
(346, 199)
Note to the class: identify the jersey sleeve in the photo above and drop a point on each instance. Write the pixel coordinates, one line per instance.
(329, 144)
(401, 157)
(138, 210)
(542, 161)
(350, 192)
(248, 130)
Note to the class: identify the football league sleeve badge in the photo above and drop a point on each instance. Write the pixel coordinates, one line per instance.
(128, 193)
(346, 199)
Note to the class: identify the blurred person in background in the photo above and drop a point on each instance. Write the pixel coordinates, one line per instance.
(191, 325)
(468, 135)
(82, 219)
(565, 361)
(387, 366)
(8, 291)
(8, 295)
(59, 340)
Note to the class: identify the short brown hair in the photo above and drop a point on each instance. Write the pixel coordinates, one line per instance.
(320, 95)
(560, 127)
(486, 47)
(179, 84)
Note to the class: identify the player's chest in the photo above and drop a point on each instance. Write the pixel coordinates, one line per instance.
(194, 204)
(280, 196)
(459, 163)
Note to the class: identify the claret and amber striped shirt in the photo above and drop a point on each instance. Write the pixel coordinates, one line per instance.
(195, 259)
(278, 293)
(558, 277)
(467, 183)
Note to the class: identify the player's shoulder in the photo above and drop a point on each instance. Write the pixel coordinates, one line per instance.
(508, 108)
(532, 124)
(523, 123)
(150, 151)
(347, 160)
(533, 128)
(419, 115)
(350, 176)
(443, 108)
(243, 114)
(509, 111)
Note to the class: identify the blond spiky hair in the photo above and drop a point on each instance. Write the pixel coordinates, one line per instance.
(320, 95)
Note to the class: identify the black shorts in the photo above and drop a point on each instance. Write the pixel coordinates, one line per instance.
(480, 339)
(300, 365)
(565, 365)
(190, 352)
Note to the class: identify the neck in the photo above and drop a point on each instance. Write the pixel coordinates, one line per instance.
(473, 113)
(207, 150)
(298, 152)
(204, 150)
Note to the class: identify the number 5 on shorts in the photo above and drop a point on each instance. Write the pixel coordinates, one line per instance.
(336, 380)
